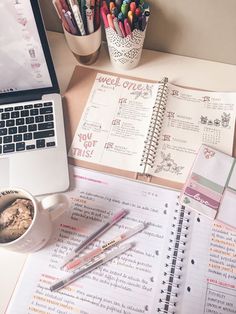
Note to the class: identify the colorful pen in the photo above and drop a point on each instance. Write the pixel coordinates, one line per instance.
(104, 5)
(110, 21)
(104, 17)
(130, 18)
(92, 254)
(132, 7)
(70, 22)
(121, 26)
(107, 225)
(112, 6)
(76, 275)
(127, 27)
(124, 8)
(64, 5)
(60, 13)
(97, 14)
(78, 19)
(117, 28)
(89, 17)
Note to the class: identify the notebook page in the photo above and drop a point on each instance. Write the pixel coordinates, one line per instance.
(210, 282)
(114, 123)
(123, 285)
(193, 118)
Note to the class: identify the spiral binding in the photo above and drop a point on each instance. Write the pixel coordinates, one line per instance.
(174, 262)
(154, 130)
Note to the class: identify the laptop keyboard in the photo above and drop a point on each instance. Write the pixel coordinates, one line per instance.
(26, 127)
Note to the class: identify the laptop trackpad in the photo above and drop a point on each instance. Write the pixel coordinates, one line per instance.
(4, 172)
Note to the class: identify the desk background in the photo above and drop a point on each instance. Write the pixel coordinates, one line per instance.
(196, 28)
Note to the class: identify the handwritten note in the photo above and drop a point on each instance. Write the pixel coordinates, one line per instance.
(192, 118)
(210, 282)
(126, 284)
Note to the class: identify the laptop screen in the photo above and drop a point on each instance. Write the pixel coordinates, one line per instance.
(25, 61)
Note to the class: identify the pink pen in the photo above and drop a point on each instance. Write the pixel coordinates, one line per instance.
(110, 21)
(107, 225)
(104, 17)
(127, 27)
(121, 26)
(81, 261)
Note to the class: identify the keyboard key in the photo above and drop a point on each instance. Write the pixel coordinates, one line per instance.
(0, 140)
(8, 148)
(18, 107)
(20, 146)
(46, 110)
(42, 134)
(20, 121)
(50, 144)
(10, 122)
(8, 109)
(28, 136)
(24, 113)
(7, 139)
(12, 130)
(46, 126)
(0, 149)
(38, 105)
(28, 106)
(5, 115)
(47, 104)
(15, 114)
(17, 138)
(30, 147)
(34, 112)
(3, 131)
(30, 120)
(32, 127)
(22, 129)
(39, 119)
(40, 143)
(1, 110)
(2, 124)
(48, 117)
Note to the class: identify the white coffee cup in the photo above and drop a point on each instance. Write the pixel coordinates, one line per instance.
(44, 213)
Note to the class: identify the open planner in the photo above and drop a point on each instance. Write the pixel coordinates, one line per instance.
(144, 129)
(181, 263)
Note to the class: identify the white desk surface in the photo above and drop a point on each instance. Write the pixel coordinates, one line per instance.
(180, 70)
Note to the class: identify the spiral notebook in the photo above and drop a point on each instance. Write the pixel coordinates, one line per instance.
(144, 129)
(181, 263)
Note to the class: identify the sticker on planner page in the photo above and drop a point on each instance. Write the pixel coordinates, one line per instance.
(208, 153)
(204, 191)
(202, 195)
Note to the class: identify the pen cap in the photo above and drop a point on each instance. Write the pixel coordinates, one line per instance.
(85, 48)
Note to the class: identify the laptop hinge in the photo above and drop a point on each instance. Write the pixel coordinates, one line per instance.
(23, 98)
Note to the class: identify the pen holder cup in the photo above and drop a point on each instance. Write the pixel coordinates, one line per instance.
(125, 52)
(85, 48)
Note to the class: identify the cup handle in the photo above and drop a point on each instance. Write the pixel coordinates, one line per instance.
(55, 204)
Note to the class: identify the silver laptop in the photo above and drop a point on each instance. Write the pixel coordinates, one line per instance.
(32, 140)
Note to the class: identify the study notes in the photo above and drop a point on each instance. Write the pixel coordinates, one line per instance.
(181, 262)
(148, 128)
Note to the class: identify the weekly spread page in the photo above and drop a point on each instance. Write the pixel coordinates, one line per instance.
(192, 118)
(115, 122)
(124, 121)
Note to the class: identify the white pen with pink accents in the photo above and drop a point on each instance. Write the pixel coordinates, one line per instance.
(78, 262)
(107, 225)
